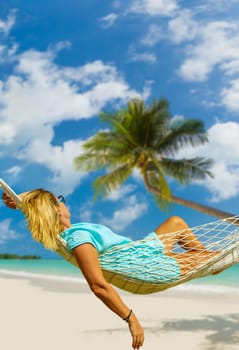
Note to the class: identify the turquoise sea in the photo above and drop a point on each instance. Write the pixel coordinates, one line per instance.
(227, 281)
(40, 268)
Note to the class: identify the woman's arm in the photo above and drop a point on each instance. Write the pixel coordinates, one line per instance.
(87, 258)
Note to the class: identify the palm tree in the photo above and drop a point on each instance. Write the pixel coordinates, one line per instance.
(147, 138)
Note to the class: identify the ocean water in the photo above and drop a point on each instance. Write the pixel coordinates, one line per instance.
(41, 268)
(227, 281)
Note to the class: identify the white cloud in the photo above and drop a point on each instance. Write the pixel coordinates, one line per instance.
(226, 183)
(40, 95)
(7, 53)
(153, 36)
(212, 6)
(218, 44)
(176, 118)
(208, 44)
(231, 67)
(59, 159)
(6, 233)
(182, 27)
(109, 20)
(230, 96)
(131, 211)
(120, 193)
(85, 213)
(13, 171)
(154, 7)
(6, 26)
(11, 174)
(142, 56)
(7, 133)
(223, 148)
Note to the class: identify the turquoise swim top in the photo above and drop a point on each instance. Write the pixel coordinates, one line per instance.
(100, 236)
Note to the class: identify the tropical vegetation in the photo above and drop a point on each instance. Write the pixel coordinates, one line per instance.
(16, 256)
(147, 138)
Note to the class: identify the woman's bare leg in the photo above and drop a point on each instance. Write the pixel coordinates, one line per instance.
(175, 230)
(187, 261)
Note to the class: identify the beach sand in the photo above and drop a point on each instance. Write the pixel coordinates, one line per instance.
(51, 315)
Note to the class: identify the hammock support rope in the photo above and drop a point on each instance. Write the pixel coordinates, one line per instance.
(220, 238)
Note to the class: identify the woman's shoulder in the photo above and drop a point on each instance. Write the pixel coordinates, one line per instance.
(88, 225)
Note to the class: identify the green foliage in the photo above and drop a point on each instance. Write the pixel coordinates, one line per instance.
(15, 256)
(105, 184)
(147, 138)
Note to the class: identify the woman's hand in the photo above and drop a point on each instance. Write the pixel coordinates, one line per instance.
(10, 203)
(136, 331)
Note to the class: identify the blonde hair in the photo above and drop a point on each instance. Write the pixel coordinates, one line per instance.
(43, 219)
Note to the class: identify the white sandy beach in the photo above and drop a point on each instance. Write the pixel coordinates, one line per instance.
(44, 314)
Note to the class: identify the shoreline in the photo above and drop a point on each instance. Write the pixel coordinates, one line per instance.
(42, 314)
(189, 289)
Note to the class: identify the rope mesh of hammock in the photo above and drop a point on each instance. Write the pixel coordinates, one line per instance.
(220, 237)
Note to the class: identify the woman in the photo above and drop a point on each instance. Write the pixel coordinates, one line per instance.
(48, 216)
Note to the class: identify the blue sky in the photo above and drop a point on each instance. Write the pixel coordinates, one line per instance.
(61, 63)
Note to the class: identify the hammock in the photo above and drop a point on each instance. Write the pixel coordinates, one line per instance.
(220, 237)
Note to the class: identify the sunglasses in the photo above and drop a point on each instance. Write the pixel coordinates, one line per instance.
(61, 199)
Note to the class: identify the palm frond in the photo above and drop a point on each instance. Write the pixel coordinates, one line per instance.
(135, 107)
(186, 170)
(186, 133)
(116, 123)
(106, 183)
(156, 178)
(160, 108)
(163, 203)
(104, 141)
(105, 149)
(159, 187)
(93, 161)
(146, 123)
(90, 162)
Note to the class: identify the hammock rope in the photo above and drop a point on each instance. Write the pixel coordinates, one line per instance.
(220, 250)
(220, 237)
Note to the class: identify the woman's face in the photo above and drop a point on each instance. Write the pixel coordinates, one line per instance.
(65, 215)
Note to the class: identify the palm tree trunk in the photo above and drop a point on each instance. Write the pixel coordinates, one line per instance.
(202, 208)
(190, 204)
